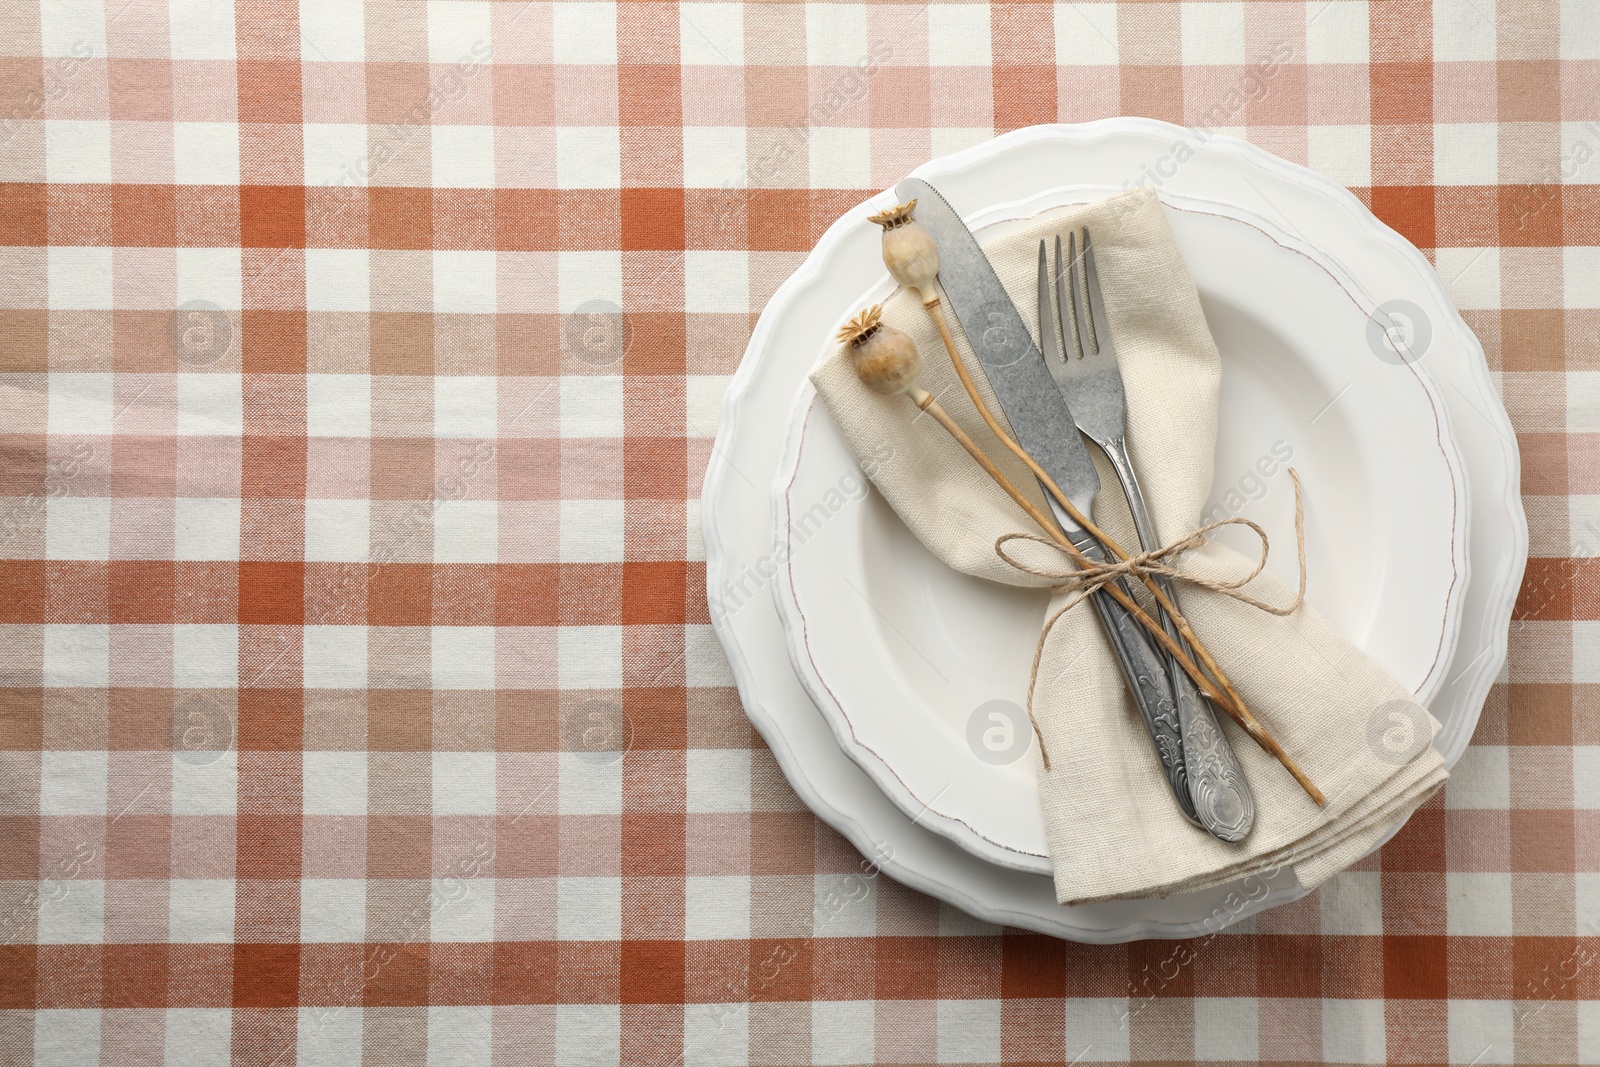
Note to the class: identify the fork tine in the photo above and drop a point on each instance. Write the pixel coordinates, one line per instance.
(1098, 323)
(1049, 336)
(1068, 321)
(1080, 309)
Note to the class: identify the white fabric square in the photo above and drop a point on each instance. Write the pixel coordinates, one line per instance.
(333, 909)
(585, 33)
(1213, 33)
(200, 910)
(1480, 779)
(587, 787)
(950, 139)
(205, 788)
(77, 150)
(338, 405)
(201, 29)
(591, 531)
(463, 282)
(75, 28)
(710, 34)
(66, 1037)
(1471, 276)
(1341, 153)
(335, 783)
(1580, 39)
(77, 655)
(716, 1035)
(969, 1031)
(1098, 1029)
(587, 157)
(1479, 903)
(465, 911)
(589, 909)
(463, 657)
(840, 158)
(459, 1037)
(1086, 34)
(215, 275)
(337, 531)
(588, 1035)
(329, 1034)
(846, 905)
(836, 34)
(583, 277)
(1586, 776)
(591, 657)
(1482, 1031)
(464, 405)
(703, 403)
(79, 278)
(334, 657)
(1336, 31)
(716, 907)
(1585, 649)
(206, 528)
(211, 404)
(72, 911)
(959, 35)
(1353, 1031)
(713, 157)
(717, 779)
(77, 527)
(591, 405)
(80, 404)
(72, 783)
(463, 156)
(1351, 904)
(330, 33)
(1581, 277)
(842, 1031)
(705, 664)
(716, 282)
(466, 531)
(1466, 153)
(200, 1037)
(1462, 32)
(205, 153)
(1226, 1028)
(333, 151)
(338, 279)
(205, 656)
(463, 783)
(458, 30)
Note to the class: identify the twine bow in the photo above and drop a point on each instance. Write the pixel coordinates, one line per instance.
(1083, 581)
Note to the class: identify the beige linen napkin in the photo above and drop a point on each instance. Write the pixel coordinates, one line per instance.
(1113, 828)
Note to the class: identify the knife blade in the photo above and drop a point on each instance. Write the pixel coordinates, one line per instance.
(1044, 427)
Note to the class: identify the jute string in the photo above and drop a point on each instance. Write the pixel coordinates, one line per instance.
(1084, 580)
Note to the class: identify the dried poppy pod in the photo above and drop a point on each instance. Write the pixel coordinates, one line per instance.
(885, 359)
(909, 250)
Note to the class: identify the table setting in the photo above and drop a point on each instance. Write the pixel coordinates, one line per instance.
(714, 533)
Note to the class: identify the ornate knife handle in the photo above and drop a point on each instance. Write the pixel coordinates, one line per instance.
(1144, 666)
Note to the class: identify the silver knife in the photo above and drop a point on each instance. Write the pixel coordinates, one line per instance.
(1044, 427)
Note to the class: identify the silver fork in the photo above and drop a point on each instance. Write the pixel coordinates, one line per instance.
(1086, 372)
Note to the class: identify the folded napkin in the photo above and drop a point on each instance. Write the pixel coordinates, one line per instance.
(1113, 828)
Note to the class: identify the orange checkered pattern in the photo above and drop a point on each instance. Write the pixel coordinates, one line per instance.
(359, 363)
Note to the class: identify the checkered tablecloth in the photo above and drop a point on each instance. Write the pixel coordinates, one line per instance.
(359, 364)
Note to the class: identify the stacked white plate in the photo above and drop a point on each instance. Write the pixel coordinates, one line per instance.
(1341, 355)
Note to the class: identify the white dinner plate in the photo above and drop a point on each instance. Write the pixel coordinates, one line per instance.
(737, 518)
(906, 657)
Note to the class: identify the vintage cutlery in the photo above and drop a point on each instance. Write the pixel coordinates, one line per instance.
(1082, 358)
(1044, 426)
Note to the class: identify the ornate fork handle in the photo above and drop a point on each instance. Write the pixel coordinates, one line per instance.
(1144, 666)
(1222, 801)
